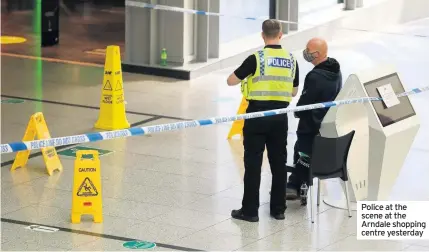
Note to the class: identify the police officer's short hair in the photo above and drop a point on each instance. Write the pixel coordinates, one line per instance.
(271, 28)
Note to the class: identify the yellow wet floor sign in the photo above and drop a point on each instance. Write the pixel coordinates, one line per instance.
(112, 114)
(237, 126)
(86, 199)
(37, 128)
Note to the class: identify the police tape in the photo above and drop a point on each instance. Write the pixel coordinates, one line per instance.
(132, 3)
(136, 131)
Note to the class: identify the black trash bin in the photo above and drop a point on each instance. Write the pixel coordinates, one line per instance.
(50, 22)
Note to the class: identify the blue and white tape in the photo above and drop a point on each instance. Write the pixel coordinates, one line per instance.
(136, 131)
(132, 3)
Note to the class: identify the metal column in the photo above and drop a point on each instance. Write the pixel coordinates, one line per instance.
(154, 46)
(214, 6)
(350, 4)
(359, 3)
(137, 34)
(203, 27)
(283, 13)
(273, 9)
(293, 14)
(172, 32)
(147, 31)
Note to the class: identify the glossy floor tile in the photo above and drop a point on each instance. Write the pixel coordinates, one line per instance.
(177, 189)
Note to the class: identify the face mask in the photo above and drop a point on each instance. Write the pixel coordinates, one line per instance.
(308, 56)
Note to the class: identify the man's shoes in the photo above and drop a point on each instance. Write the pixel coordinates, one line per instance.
(280, 216)
(238, 214)
(291, 194)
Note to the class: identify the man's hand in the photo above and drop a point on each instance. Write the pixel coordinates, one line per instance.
(233, 80)
(295, 91)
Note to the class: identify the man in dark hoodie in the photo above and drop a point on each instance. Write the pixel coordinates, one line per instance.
(322, 84)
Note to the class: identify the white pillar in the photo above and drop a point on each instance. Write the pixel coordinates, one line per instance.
(147, 31)
(282, 13)
(359, 3)
(214, 6)
(202, 43)
(350, 4)
(293, 14)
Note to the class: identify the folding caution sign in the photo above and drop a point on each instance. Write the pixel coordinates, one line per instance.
(112, 114)
(37, 128)
(237, 126)
(86, 198)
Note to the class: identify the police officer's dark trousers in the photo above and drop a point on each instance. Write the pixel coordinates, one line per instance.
(303, 144)
(271, 132)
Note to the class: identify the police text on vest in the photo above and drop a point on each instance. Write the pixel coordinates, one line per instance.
(279, 62)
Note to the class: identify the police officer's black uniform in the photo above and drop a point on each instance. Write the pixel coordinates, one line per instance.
(268, 131)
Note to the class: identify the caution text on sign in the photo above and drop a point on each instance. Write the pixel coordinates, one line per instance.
(87, 198)
(392, 220)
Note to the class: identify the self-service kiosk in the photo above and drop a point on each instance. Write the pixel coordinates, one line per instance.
(385, 131)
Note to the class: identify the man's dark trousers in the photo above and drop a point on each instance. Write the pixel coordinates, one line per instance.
(303, 144)
(268, 131)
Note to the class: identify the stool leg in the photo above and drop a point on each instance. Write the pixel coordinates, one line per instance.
(310, 189)
(318, 192)
(347, 198)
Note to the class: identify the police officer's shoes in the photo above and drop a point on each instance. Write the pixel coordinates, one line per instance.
(280, 216)
(238, 214)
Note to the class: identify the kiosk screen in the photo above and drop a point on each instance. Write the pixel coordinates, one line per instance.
(396, 113)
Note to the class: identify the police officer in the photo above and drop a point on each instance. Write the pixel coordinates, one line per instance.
(269, 80)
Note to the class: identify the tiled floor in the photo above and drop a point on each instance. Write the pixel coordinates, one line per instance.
(177, 189)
